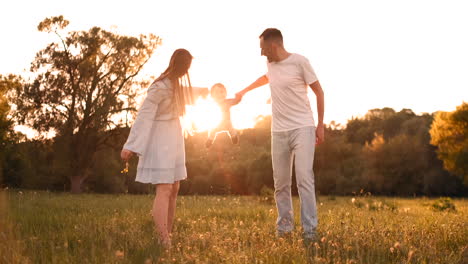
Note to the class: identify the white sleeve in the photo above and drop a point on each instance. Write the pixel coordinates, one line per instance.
(308, 72)
(140, 132)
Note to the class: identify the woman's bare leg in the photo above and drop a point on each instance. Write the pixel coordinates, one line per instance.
(172, 206)
(160, 212)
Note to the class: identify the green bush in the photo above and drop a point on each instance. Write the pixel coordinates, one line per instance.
(267, 194)
(443, 204)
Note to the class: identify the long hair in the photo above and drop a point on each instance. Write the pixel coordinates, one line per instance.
(177, 72)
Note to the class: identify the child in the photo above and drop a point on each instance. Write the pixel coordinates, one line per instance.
(218, 93)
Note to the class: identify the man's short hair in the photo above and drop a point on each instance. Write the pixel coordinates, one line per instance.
(272, 34)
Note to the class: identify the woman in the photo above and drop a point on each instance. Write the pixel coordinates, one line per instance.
(157, 138)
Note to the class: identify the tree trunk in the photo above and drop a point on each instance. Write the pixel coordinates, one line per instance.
(76, 182)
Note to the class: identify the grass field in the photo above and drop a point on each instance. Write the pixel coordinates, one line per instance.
(43, 227)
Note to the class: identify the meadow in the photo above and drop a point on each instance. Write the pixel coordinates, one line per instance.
(46, 227)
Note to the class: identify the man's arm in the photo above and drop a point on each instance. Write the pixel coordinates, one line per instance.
(259, 82)
(317, 88)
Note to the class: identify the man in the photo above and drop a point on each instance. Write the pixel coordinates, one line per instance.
(294, 134)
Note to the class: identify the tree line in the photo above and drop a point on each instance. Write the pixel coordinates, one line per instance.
(86, 81)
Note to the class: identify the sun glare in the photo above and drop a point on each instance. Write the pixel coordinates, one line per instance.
(204, 115)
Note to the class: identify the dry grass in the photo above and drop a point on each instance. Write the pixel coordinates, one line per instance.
(42, 227)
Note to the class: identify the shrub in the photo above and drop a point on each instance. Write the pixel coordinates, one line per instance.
(443, 204)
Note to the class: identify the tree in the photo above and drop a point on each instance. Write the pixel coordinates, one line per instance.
(449, 132)
(82, 85)
(7, 135)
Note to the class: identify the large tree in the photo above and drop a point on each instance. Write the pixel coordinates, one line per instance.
(83, 83)
(449, 132)
(7, 85)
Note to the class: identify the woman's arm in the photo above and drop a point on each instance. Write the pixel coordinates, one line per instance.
(141, 130)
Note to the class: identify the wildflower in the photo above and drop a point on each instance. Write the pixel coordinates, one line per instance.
(119, 254)
(125, 170)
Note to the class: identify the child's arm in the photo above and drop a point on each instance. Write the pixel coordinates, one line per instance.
(200, 92)
(233, 101)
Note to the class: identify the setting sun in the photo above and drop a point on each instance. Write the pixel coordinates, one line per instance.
(204, 115)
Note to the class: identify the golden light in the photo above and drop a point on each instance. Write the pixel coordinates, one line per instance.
(204, 115)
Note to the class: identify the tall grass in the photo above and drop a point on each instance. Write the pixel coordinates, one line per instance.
(43, 227)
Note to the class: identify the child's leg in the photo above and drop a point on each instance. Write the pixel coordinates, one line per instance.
(234, 135)
(160, 212)
(211, 138)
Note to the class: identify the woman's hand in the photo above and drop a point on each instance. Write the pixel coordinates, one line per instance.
(126, 154)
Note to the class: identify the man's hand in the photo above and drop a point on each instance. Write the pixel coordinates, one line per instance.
(319, 134)
(126, 154)
(239, 96)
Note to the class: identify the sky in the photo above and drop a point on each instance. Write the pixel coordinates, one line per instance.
(366, 53)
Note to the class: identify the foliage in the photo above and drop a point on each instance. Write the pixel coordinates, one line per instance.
(443, 204)
(8, 137)
(449, 133)
(404, 164)
(267, 194)
(83, 85)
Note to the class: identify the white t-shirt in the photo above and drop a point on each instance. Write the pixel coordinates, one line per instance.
(289, 81)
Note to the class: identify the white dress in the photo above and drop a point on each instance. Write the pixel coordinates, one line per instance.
(157, 138)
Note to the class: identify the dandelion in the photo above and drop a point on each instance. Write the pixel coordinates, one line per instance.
(125, 170)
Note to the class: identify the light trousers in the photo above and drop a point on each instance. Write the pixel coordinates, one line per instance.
(296, 145)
